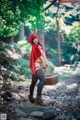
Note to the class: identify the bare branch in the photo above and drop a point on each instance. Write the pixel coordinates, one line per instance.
(53, 1)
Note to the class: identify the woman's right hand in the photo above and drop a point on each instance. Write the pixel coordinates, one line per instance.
(46, 67)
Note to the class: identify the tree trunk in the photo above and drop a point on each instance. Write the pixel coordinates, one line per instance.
(59, 47)
(11, 39)
(52, 2)
(22, 33)
(58, 37)
(16, 38)
(40, 34)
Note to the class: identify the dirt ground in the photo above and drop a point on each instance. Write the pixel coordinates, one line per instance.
(62, 98)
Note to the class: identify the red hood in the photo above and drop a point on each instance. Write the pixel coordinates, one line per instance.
(33, 36)
(35, 52)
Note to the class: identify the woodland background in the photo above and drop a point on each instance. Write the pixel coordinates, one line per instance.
(56, 24)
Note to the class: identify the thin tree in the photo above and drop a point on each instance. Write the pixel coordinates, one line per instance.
(40, 33)
(58, 35)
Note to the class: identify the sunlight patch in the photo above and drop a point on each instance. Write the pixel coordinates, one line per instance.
(71, 86)
(16, 56)
(22, 42)
(55, 86)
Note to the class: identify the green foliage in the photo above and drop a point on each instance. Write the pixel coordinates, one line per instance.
(22, 66)
(9, 24)
(13, 75)
(70, 48)
(74, 34)
(15, 12)
(24, 45)
(17, 62)
(25, 70)
(50, 21)
(51, 38)
(63, 75)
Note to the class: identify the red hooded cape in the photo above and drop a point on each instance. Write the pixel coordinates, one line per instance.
(35, 52)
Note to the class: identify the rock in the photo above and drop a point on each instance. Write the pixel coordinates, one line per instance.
(20, 112)
(1, 78)
(48, 114)
(25, 56)
(7, 96)
(25, 119)
(58, 110)
(46, 98)
(28, 107)
(62, 117)
(21, 78)
(78, 97)
(9, 52)
(5, 72)
(2, 56)
(37, 114)
(20, 87)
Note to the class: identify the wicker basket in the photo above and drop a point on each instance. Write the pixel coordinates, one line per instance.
(51, 79)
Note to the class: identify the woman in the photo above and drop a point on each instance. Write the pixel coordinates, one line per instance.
(38, 61)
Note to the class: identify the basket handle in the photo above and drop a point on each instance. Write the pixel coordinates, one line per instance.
(48, 70)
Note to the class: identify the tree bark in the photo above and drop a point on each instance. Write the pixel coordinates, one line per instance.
(53, 1)
(40, 34)
(22, 33)
(11, 39)
(58, 37)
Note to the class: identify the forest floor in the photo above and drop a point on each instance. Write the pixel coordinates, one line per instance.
(62, 99)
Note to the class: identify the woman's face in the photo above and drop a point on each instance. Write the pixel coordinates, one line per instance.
(35, 40)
